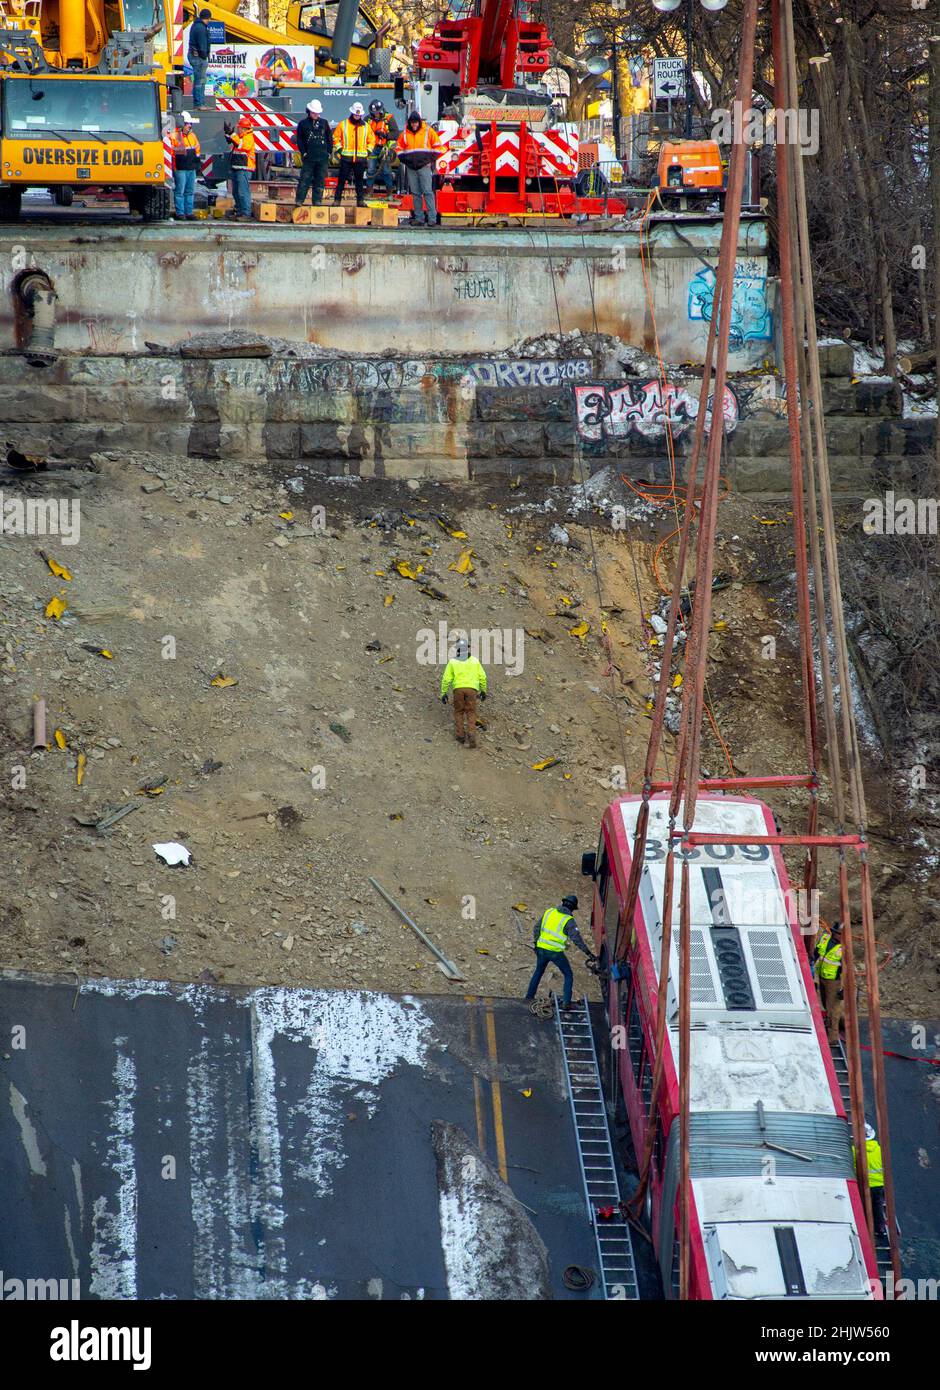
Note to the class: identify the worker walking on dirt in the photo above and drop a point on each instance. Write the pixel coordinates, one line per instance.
(828, 956)
(355, 142)
(553, 930)
(314, 140)
(186, 160)
(468, 679)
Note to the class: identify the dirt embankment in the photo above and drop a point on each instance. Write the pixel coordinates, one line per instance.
(271, 701)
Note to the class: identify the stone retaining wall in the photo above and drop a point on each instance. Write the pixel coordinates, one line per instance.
(451, 419)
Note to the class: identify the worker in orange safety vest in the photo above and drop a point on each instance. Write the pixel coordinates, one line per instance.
(186, 162)
(419, 148)
(241, 141)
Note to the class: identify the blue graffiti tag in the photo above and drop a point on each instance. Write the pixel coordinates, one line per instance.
(751, 319)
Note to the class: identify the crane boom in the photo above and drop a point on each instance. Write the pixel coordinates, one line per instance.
(487, 46)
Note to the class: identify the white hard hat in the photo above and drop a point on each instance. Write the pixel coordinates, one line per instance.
(316, 107)
(357, 109)
(187, 118)
(869, 1131)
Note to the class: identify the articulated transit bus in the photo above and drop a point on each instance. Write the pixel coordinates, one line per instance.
(775, 1209)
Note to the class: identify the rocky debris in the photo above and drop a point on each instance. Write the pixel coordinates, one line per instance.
(491, 1248)
(231, 343)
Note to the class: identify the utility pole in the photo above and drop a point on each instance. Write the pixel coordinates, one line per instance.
(689, 79)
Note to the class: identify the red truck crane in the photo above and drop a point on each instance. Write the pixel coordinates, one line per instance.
(507, 153)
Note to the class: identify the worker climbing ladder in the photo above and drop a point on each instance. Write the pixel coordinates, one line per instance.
(595, 1154)
(841, 1065)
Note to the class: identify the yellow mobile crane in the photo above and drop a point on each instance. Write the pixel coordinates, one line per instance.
(336, 36)
(80, 107)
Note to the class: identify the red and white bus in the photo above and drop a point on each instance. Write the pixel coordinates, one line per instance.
(776, 1210)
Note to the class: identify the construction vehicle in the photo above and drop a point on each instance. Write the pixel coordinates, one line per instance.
(80, 108)
(321, 39)
(690, 170)
(330, 49)
(508, 153)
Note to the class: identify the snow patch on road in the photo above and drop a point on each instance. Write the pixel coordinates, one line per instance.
(114, 1240)
(358, 1040)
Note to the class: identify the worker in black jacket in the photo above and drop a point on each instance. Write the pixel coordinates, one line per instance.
(314, 140)
(200, 47)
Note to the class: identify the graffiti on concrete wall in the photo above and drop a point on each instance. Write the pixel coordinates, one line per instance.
(514, 373)
(476, 287)
(358, 375)
(751, 318)
(643, 408)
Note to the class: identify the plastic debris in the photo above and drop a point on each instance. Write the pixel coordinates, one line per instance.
(55, 608)
(223, 682)
(545, 763)
(173, 853)
(58, 570)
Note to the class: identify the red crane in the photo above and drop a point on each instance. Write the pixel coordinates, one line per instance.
(487, 46)
(509, 158)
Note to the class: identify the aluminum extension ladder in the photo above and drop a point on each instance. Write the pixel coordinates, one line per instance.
(840, 1062)
(595, 1155)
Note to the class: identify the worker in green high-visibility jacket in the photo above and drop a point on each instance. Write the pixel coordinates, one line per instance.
(553, 930)
(828, 962)
(876, 1179)
(468, 679)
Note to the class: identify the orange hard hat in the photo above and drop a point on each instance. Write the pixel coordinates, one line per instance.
(244, 123)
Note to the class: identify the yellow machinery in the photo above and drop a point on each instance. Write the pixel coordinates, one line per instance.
(337, 35)
(80, 107)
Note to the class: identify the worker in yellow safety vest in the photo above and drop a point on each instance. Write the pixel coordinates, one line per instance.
(468, 679)
(553, 930)
(828, 959)
(876, 1179)
(355, 141)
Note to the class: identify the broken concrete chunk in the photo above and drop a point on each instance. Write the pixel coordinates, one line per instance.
(491, 1248)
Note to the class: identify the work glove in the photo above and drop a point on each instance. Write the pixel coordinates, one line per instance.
(443, 699)
(482, 694)
(228, 127)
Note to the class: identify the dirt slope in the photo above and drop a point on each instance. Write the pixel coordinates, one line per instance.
(336, 759)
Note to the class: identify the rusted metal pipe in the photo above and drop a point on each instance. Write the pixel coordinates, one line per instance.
(37, 297)
(39, 724)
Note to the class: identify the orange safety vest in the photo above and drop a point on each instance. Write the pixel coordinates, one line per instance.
(243, 142)
(353, 141)
(426, 138)
(181, 142)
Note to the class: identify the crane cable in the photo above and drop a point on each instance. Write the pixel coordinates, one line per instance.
(670, 496)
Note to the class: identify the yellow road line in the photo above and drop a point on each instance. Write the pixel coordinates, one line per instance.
(497, 1095)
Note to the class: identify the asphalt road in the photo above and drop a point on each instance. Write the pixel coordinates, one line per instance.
(203, 1143)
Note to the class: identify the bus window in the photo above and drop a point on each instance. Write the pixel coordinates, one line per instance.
(635, 1038)
(611, 918)
(659, 1147)
(603, 870)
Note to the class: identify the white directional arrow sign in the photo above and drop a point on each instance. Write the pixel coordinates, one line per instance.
(668, 78)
